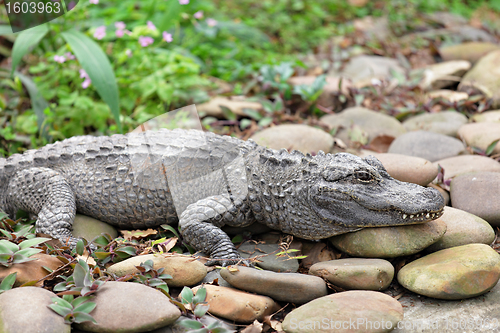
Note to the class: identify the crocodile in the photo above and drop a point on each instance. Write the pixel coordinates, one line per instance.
(204, 181)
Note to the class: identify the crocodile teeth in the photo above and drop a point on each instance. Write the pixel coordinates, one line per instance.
(427, 216)
(404, 216)
(411, 216)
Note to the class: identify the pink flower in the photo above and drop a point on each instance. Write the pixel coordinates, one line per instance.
(167, 37)
(151, 26)
(119, 33)
(198, 15)
(120, 25)
(95, 2)
(100, 32)
(183, 2)
(69, 55)
(211, 22)
(86, 83)
(145, 41)
(59, 59)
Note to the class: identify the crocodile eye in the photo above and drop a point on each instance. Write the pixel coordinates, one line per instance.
(363, 176)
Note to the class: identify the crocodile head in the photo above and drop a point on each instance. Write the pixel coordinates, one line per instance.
(358, 192)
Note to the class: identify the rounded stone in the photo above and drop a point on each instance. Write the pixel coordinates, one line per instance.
(449, 96)
(356, 273)
(90, 228)
(428, 145)
(25, 310)
(458, 165)
(463, 228)
(286, 287)
(185, 270)
(390, 242)
(455, 273)
(481, 135)
(32, 270)
(303, 138)
(371, 122)
(126, 307)
(471, 51)
(492, 116)
(368, 311)
(237, 305)
(478, 193)
(267, 257)
(438, 75)
(408, 168)
(445, 122)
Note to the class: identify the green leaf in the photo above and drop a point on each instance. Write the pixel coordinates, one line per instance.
(189, 323)
(200, 296)
(254, 114)
(80, 317)
(95, 62)
(170, 228)
(61, 302)
(491, 147)
(25, 42)
(171, 16)
(186, 295)
(32, 242)
(5, 30)
(38, 103)
(200, 310)
(79, 300)
(128, 249)
(28, 252)
(8, 281)
(80, 247)
(60, 310)
(85, 307)
(8, 247)
(265, 121)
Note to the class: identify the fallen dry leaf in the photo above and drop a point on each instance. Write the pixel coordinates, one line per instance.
(137, 234)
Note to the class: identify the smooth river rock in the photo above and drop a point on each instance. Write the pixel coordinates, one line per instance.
(32, 270)
(457, 165)
(303, 138)
(481, 135)
(428, 145)
(363, 68)
(445, 122)
(478, 193)
(492, 116)
(185, 270)
(286, 287)
(348, 311)
(444, 74)
(471, 51)
(455, 273)
(268, 259)
(409, 169)
(463, 228)
(89, 228)
(390, 242)
(25, 310)
(371, 122)
(237, 305)
(126, 307)
(356, 273)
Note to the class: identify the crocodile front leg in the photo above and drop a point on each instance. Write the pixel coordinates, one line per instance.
(200, 226)
(45, 194)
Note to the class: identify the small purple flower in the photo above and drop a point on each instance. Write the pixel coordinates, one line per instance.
(183, 2)
(151, 26)
(95, 2)
(86, 83)
(145, 40)
(119, 33)
(167, 37)
(120, 25)
(198, 15)
(100, 32)
(59, 59)
(69, 55)
(128, 52)
(211, 22)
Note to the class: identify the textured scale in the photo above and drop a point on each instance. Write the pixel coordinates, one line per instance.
(205, 181)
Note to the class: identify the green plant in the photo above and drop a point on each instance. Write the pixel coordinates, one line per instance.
(197, 303)
(80, 282)
(73, 310)
(11, 253)
(152, 277)
(8, 282)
